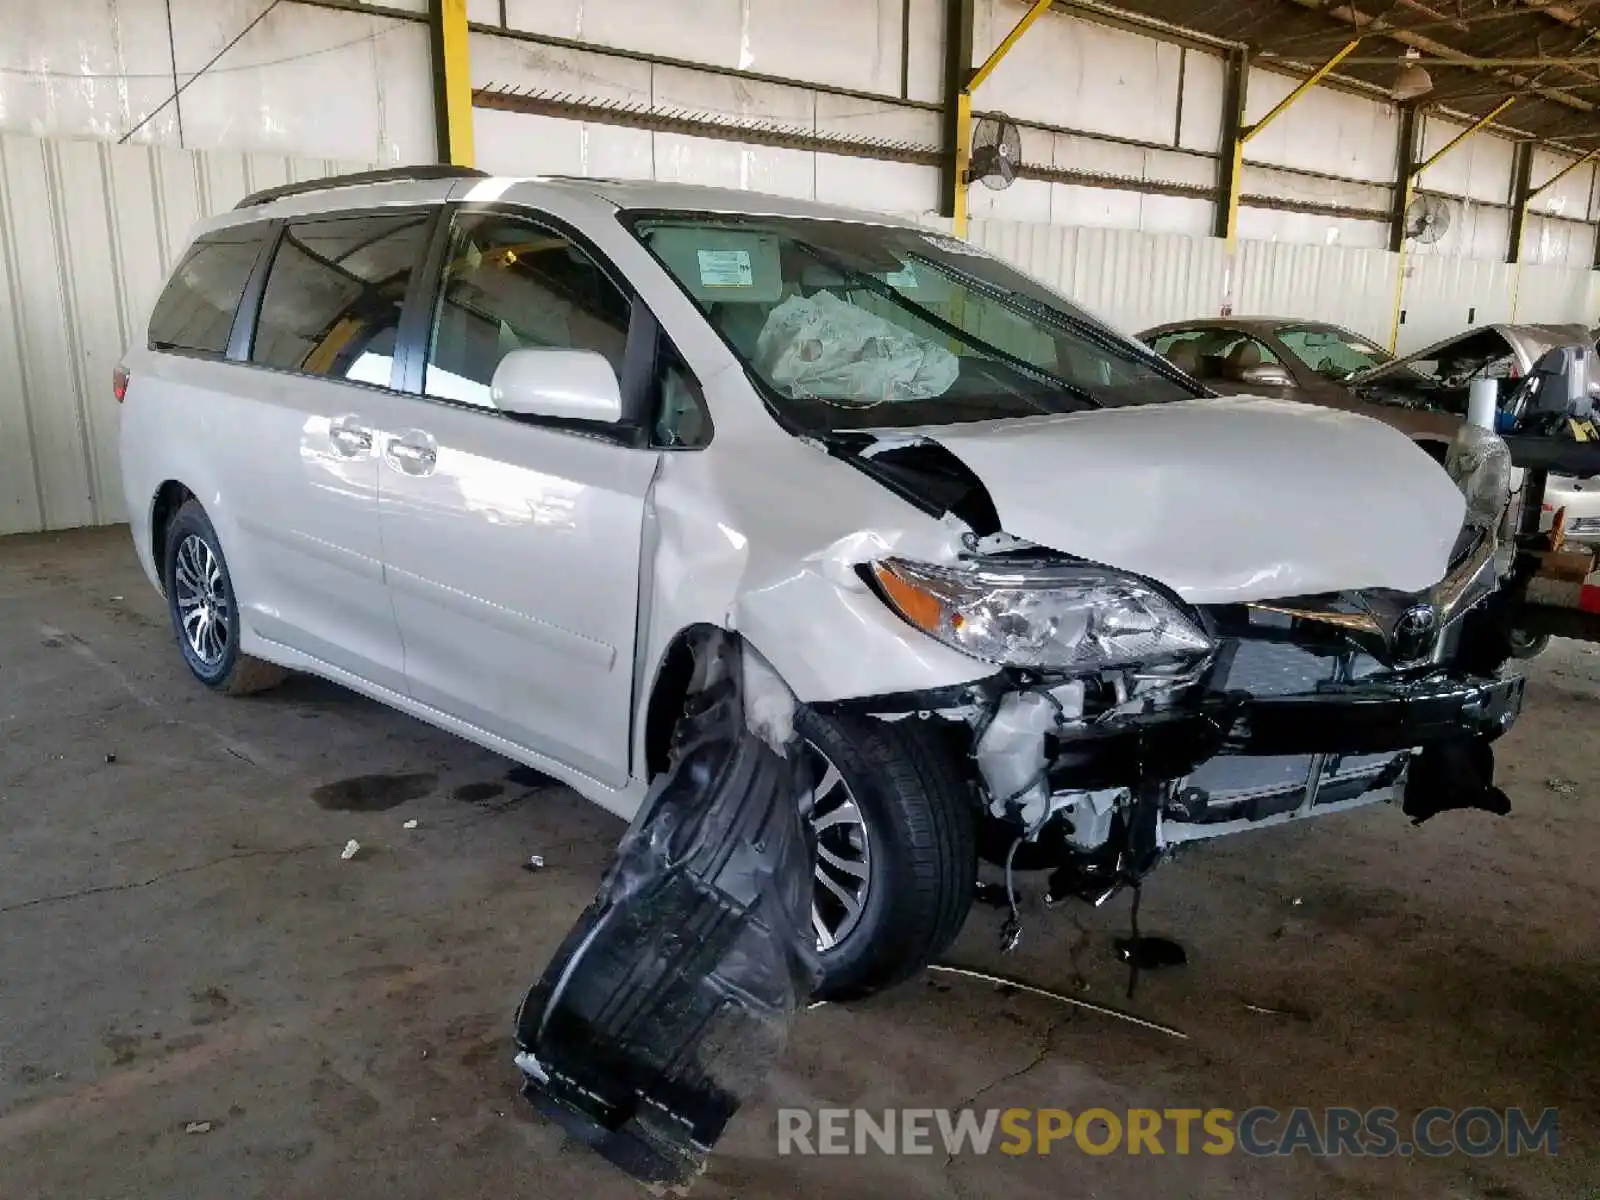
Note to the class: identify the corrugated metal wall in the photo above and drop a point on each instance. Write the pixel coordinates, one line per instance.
(1136, 280)
(1131, 280)
(1444, 294)
(1552, 295)
(1350, 287)
(88, 231)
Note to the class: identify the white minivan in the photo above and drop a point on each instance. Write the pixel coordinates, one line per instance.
(502, 452)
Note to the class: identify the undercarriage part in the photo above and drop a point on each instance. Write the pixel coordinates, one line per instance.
(1450, 776)
(674, 993)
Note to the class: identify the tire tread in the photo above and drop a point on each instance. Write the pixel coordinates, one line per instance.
(920, 780)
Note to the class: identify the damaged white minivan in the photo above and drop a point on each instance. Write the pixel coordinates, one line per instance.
(504, 453)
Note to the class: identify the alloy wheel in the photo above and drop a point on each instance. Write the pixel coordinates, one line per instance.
(844, 853)
(202, 599)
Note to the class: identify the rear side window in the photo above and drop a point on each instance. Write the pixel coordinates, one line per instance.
(510, 285)
(196, 310)
(334, 294)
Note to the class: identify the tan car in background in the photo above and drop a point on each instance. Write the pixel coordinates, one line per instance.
(1423, 394)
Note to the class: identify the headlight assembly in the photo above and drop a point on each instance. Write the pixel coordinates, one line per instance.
(1480, 463)
(1058, 618)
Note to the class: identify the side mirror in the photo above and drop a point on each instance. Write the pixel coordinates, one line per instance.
(575, 385)
(1267, 375)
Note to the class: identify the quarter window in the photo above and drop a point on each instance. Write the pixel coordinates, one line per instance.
(333, 297)
(509, 285)
(196, 309)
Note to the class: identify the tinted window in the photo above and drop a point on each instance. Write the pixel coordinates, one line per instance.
(333, 297)
(511, 285)
(196, 309)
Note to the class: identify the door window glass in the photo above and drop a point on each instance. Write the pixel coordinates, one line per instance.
(1181, 348)
(1216, 355)
(196, 309)
(512, 285)
(333, 297)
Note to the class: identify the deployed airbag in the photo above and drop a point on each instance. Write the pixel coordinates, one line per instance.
(820, 345)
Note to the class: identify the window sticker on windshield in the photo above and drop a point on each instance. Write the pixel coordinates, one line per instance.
(951, 245)
(725, 268)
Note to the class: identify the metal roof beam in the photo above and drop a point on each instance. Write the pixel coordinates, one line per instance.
(1520, 83)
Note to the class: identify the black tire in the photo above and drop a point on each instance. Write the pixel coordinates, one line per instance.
(227, 670)
(919, 824)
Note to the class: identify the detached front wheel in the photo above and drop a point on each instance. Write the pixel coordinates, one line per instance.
(896, 855)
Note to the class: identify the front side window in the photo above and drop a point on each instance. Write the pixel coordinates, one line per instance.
(197, 307)
(1215, 355)
(334, 294)
(510, 284)
(1335, 354)
(853, 326)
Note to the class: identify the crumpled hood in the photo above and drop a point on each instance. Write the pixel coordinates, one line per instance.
(1223, 500)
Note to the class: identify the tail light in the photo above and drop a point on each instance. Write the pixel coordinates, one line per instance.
(119, 382)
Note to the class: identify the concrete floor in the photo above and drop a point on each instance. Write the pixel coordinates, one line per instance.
(180, 942)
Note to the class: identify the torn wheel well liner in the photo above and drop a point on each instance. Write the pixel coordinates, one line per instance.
(169, 498)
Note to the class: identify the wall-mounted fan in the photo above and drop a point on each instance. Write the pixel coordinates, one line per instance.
(1428, 219)
(996, 152)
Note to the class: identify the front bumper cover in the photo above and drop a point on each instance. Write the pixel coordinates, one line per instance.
(1449, 717)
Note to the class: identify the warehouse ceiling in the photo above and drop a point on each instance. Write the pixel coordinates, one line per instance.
(1478, 52)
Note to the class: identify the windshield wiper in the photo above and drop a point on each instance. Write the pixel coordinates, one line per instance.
(879, 288)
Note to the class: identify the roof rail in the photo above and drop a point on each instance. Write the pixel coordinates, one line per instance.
(359, 178)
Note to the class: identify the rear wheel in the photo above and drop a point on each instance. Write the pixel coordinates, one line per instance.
(895, 849)
(205, 611)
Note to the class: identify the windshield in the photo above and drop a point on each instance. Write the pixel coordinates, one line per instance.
(1331, 352)
(854, 326)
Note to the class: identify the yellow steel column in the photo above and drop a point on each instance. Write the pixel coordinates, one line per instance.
(1246, 132)
(963, 102)
(1408, 187)
(452, 81)
(963, 160)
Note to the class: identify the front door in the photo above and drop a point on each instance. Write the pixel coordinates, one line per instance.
(306, 449)
(512, 549)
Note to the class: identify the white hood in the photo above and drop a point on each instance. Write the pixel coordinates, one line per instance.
(1222, 500)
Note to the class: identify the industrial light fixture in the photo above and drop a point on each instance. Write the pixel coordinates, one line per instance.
(1412, 80)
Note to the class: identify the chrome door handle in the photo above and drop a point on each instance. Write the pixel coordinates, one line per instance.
(348, 438)
(414, 453)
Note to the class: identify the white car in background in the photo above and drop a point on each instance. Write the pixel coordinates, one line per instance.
(504, 453)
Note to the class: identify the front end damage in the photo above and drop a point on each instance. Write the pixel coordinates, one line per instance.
(673, 995)
(1295, 707)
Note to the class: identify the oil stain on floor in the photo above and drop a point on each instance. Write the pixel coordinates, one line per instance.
(373, 793)
(478, 793)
